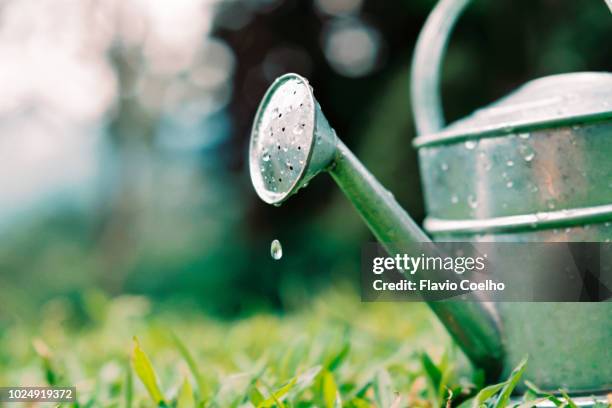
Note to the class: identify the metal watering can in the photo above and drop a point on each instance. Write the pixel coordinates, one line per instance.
(532, 167)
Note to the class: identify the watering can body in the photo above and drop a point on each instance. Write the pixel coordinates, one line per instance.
(535, 166)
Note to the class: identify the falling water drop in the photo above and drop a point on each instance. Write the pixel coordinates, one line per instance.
(510, 163)
(509, 184)
(454, 199)
(444, 166)
(276, 250)
(524, 135)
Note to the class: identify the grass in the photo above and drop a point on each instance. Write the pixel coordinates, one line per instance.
(334, 352)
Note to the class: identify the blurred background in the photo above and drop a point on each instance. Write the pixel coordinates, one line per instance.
(124, 129)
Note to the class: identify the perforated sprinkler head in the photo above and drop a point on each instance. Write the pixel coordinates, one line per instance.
(291, 141)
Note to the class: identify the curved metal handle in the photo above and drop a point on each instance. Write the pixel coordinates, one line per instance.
(427, 64)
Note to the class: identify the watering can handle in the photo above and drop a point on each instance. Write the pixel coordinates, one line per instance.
(427, 63)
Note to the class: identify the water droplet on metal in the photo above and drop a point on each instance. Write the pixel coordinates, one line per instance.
(298, 130)
(276, 250)
(526, 152)
(470, 144)
(472, 202)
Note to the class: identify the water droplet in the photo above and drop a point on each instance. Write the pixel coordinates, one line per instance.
(472, 202)
(524, 135)
(266, 157)
(444, 167)
(276, 250)
(470, 144)
(607, 224)
(298, 130)
(526, 152)
(454, 199)
(509, 184)
(510, 163)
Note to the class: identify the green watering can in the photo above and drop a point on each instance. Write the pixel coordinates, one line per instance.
(532, 167)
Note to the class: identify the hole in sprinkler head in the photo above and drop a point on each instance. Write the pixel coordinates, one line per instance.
(290, 167)
(278, 147)
(283, 129)
(280, 179)
(280, 115)
(299, 147)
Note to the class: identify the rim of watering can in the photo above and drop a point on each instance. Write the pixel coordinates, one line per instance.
(262, 192)
(460, 135)
(558, 218)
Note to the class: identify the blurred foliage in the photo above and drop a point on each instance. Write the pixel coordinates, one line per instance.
(171, 212)
(91, 348)
(330, 353)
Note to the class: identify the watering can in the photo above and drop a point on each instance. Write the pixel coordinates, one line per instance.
(532, 167)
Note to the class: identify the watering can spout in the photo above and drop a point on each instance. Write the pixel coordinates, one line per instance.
(291, 142)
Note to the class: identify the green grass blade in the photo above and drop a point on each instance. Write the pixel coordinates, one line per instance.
(485, 394)
(434, 375)
(383, 389)
(337, 360)
(330, 390)
(278, 394)
(185, 398)
(255, 396)
(532, 387)
(144, 370)
(515, 376)
(129, 386)
(532, 403)
(193, 367)
(568, 400)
